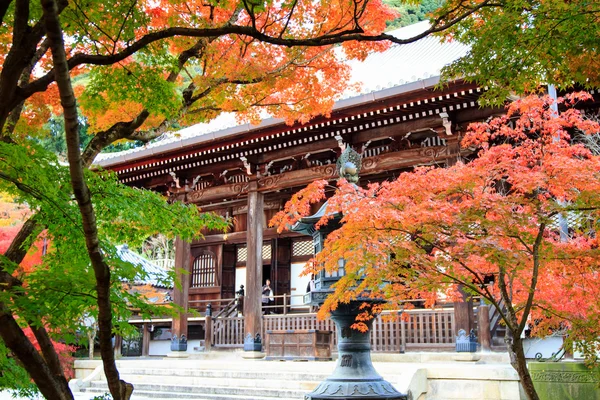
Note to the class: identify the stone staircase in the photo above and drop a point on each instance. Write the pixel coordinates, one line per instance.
(226, 375)
(217, 380)
(154, 379)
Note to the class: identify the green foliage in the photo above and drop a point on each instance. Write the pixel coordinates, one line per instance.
(138, 83)
(60, 291)
(55, 142)
(519, 47)
(13, 376)
(411, 12)
(105, 396)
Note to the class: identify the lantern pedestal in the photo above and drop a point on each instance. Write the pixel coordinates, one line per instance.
(354, 376)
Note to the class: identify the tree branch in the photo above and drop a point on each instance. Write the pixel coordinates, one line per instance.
(534, 276)
(323, 40)
(14, 338)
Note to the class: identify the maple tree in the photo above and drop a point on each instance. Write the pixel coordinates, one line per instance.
(140, 68)
(518, 47)
(14, 376)
(434, 230)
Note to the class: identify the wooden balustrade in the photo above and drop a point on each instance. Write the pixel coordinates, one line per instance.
(418, 329)
(227, 332)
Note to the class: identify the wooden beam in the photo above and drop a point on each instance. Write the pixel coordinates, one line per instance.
(399, 129)
(477, 114)
(371, 166)
(240, 237)
(300, 150)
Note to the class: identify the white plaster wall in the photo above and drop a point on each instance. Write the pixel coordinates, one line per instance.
(163, 347)
(545, 346)
(298, 284)
(240, 278)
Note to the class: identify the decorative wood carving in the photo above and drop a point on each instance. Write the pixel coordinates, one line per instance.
(268, 205)
(434, 152)
(297, 178)
(370, 165)
(217, 192)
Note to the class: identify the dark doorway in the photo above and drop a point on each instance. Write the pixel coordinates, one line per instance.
(266, 274)
(228, 288)
(266, 270)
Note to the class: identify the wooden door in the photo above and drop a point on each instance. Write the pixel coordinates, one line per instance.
(281, 260)
(228, 288)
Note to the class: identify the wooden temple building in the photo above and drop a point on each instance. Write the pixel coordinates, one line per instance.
(400, 119)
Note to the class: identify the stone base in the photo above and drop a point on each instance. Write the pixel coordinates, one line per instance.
(178, 354)
(466, 357)
(253, 355)
(564, 380)
(370, 390)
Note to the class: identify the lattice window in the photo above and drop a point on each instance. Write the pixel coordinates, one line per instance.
(266, 252)
(302, 248)
(242, 254)
(204, 271)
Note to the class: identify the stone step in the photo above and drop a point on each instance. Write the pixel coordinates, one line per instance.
(236, 380)
(203, 391)
(161, 373)
(146, 395)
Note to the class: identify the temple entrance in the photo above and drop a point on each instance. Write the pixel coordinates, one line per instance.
(266, 274)
(228, 281)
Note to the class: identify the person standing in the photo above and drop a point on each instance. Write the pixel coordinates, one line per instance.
(267, 295)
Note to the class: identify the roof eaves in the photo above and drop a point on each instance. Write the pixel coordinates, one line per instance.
(268, 122)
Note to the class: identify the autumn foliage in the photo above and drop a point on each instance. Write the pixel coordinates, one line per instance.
(220, 72)
(11, 220)
(490, 225)
(12, 216)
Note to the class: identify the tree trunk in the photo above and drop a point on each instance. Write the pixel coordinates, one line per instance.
(51, 385)
(91, 334)
(519, 363)
(51, 358)
(119, 389)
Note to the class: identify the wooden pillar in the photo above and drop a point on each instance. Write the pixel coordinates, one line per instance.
(208, 333)
(483, 327)
(180, 295)
(145, 339)
(463, 313)
(254, 235)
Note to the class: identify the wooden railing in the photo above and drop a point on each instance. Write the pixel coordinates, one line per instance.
(426, 329)
(228, 332)
(216, 304)
(495, 317)
(415, 329)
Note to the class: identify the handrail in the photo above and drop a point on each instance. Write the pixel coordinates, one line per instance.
(495, 318)
(227, 309)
